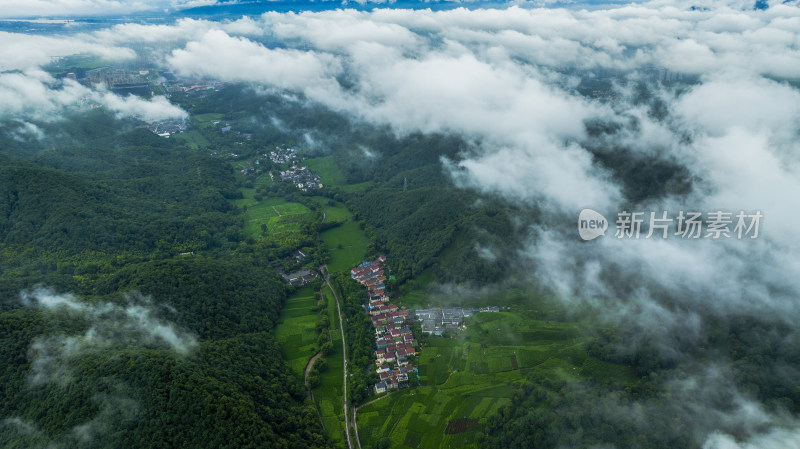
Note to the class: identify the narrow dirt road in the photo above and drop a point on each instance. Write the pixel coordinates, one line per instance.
(310, 365)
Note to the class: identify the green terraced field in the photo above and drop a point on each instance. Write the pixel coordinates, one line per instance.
(206, 118)
(473, 375)
(193, 139)
(417, 417)
(333, 316)
(80, 61)
(331, 176)
(347, 244)
(278, 215)
(328, 395)
(327, 170)
(295, 333)
(336, 212)
(264, 180)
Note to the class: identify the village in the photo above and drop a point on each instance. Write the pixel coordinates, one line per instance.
(393, 337)
(301, 177)
(299, 277)
(283, 155)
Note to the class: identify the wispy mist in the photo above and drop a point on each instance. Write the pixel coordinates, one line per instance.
(109, 326)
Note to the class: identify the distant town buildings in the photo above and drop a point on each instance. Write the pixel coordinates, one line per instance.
(119, 81)
(193, 85)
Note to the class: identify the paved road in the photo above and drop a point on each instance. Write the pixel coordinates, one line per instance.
(324, 271)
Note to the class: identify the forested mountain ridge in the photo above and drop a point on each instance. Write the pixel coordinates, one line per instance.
(155, 349)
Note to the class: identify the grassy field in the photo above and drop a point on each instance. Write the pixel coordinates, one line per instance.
(348, 246)
(264, 180)
(193, 139)
(473, 375)
(207, 118)
(330, 175)
(78, 61)
(347, 242)
(332, 313)
(357, 188)
(417, 417)
(328, 395)
(278, 215)
(327, 170)
(334, 211)
(295, 332)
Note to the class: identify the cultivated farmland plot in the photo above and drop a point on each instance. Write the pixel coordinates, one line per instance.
(348, 245)
(295, 333)
(465, 379)
(277, 214)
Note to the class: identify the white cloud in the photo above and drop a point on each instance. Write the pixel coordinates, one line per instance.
(726, 101)
(109, 325)
(155, 109)
(775, 439)
(23, 52)
(220, 55)
(339, 30)
(34, 94)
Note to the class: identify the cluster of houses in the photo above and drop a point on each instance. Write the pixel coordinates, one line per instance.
(393, 338)
(299, 277)
(282, 155)
(166, 128)
(436, 321)
(302, 178)
(228, 127)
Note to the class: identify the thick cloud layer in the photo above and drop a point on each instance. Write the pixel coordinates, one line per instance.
(239, 59)
(22, 51)
(36, 95)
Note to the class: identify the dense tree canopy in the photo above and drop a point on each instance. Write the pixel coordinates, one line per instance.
(170, 343)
